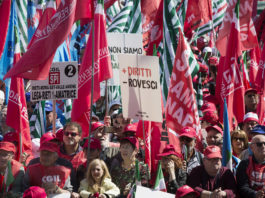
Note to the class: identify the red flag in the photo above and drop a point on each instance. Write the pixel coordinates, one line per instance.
(260, 78)
(102, 69)
(247, 29)
(254, 64)
(147, 133)
(152, 19)
(181, 108)
(17, 107)
(36, 62)
(229, 83)
(4, 19)
(198, 13)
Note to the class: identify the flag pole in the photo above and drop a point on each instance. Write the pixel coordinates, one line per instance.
(106, 98)
(92, 89)
(20, 145)
(54, 117)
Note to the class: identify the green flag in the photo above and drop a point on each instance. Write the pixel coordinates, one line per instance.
(9, 178)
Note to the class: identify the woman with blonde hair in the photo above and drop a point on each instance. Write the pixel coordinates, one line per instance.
(98, 182)
(239, 142)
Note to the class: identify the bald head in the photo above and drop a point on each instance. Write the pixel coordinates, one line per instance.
(258, 147)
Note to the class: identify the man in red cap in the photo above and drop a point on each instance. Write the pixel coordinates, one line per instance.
(191, 156)
(186, 192)
(71, 149)
(251, 100)
(7, 163)
(54, 178)
(35, 192)
(214, 136)
(211, 179)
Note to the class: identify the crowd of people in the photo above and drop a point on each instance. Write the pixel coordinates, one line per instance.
(108, 162)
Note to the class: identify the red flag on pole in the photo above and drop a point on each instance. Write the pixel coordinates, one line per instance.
(181, 107)
(254, 64)
(4, 20)
(247, 31)
(229, 83)
(36, 62)
(152, 19)
(102, 70)
(198, 13)
(260, 78)
(17, 107)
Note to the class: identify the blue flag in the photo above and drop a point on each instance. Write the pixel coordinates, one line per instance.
(227, 148)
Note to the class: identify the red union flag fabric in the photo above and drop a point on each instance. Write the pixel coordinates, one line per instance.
(152, 23)
(102, 69)
(260, 78)
(254, 64)
(36, 62)
(198, 13)
(17, 106)
(229, 83)
(247, 31)
(4, 19)
(181, 107)
(147, 135)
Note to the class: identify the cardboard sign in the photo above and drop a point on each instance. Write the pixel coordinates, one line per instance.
(62, 83)
(147, 192)
(140, 87)
(122, 44)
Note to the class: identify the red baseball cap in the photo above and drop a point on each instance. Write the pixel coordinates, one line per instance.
(203, 68)
(35, 192)
(11, 137)
(251, 89)
(184, 190)
(95, 125)
(213, 60)
(208, 106)
(131, 127)
(94, 144)
(7, 146)
(250, 116)
(188, 132)
(215, 127)
(49, 146)
(212, 152)
(46, 137)
(211, 117)
(169, 150)
(132, 140)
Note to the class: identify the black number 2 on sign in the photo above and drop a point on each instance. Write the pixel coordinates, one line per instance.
(70, 70)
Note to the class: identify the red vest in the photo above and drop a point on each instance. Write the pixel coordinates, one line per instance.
(76, 160)
(39, 174)
(256, 175)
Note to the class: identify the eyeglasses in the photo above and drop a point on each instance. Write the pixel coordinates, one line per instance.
(259, 144)
(186, 139)
(66, 133)
(237, 138)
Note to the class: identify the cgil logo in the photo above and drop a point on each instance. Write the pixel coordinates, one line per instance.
(51, 178)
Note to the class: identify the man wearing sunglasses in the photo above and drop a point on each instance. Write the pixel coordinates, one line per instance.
(71, 149)
(251, 172)
(191, 156)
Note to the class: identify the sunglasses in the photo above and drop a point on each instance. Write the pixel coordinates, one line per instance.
(187, 139)
(237, 138)
(259, 144)
(66, 133)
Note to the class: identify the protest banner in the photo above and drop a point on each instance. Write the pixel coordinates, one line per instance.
(61, 83)
(142, 191)
(139, 79)
(122, 43)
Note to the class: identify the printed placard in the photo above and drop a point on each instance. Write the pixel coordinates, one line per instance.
(61, 83)
(140, 87)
